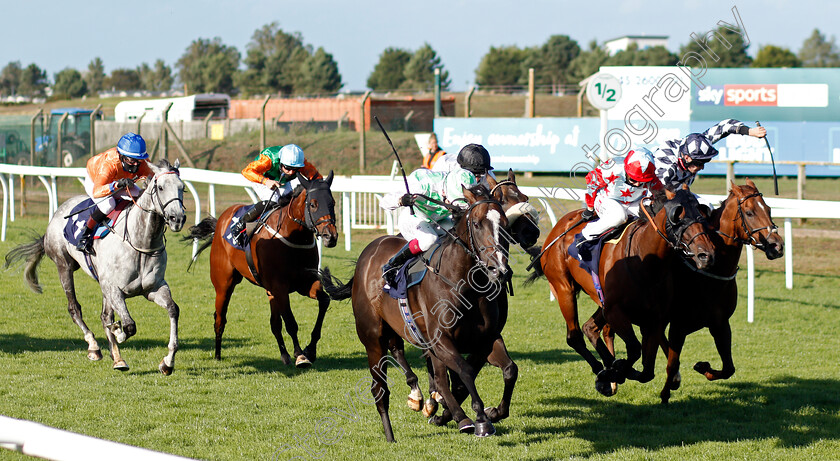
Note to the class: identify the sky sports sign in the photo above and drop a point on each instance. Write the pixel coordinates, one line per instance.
(773, 94)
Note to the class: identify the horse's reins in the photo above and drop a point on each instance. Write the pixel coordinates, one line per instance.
(162, 209)
(749, 232)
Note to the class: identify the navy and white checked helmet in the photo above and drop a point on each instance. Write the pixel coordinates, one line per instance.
(697, 147)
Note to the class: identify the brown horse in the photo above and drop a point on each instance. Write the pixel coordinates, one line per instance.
(743, 218)
(448, 313)
(285, 257)
(635, 279)
(523, 229)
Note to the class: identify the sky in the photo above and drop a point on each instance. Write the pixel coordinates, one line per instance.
(59, 34)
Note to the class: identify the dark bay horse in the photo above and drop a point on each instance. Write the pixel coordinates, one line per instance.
(635, 278)
(285, 258)
(130, 263)
(523, 229)
(450, 312)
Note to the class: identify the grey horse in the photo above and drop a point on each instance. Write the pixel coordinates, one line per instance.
(129, 263)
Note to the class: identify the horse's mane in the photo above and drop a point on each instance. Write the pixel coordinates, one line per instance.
(658, 200)
(475, 189)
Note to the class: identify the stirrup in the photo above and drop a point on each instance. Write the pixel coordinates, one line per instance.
(85, 245)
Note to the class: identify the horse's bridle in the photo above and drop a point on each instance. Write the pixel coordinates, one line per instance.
(677, 232)
(751, 240)
(310, 222)
(156, 195)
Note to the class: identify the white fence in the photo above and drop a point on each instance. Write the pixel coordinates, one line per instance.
(359, 196)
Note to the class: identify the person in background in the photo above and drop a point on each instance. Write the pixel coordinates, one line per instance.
(435, 153)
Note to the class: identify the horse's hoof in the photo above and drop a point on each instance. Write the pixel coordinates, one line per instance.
(702, 367)
(494, 414)
(675, 384)
(466, 426)
(121, 337)
(286, 358)
(414, 405)
(436, 395)
(606, 388)
(484, 429)
(430, 408)
(310, 353)
(610, 375)
(165, 369)
(438, 420)
(121, 365)
(302, 362)
(94, 355)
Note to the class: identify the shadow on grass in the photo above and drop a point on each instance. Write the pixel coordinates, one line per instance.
(796, 411)
(17, 343)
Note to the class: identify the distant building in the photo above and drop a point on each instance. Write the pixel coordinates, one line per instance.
(642, 41)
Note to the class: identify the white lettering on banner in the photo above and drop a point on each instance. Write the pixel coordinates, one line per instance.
(571, 139)
(710, 94)
(744, 148)
(532, 159)
(533, 139)
(450, 138)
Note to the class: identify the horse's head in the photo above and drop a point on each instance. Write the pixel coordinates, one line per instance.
(319, 208)
(756, 225)
(523, 218)
(484, 221)
(685, 226)
(167, 192)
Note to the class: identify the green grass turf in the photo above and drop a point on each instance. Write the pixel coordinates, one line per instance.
(781, 404)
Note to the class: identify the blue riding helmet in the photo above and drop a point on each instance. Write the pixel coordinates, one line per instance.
(292, 156)
(132, 145)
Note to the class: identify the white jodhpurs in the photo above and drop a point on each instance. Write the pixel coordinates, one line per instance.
(420, 227)
(610, 214)
(107, 205)
(265, 193)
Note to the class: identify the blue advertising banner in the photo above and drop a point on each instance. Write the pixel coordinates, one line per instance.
(524, 144)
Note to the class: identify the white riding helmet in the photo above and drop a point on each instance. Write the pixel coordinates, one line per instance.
(292, 156)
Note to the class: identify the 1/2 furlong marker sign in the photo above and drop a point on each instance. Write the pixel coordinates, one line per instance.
(603, 91)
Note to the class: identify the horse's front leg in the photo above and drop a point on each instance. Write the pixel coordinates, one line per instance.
(592, 329)
(162, 296)
(723, 342)
(448, 354)
(311, 350)
(279, 305)
(499, 357)
(676, 340)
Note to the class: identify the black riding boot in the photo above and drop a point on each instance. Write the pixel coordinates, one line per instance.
(85, 244)
(390, 269)
(238, 229)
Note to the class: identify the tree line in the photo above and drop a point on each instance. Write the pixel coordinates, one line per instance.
(278, 62)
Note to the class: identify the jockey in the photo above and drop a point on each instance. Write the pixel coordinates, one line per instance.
(111, 175)
(615, 189)
(420, 228)
(678, 161)
(275, 173)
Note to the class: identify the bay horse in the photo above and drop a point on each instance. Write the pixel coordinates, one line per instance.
(523, 229)
(448, 313)
(130, 263)
(742, 219)
(285, 258)
(636, 278)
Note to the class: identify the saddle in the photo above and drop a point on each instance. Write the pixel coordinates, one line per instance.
(589, 253)
(412, 273)
(77, 222)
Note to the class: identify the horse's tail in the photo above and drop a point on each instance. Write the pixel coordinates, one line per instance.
(32, 252)
(534, 251)
(333, 286)
(203, 231)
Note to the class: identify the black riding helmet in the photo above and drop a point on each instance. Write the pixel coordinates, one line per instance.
(475, 159)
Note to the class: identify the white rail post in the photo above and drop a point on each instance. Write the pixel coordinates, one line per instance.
(5, 206)
(12, 197)
(345, 218)
(211, 199)
(788, 255)
(197, 212)
(750, 284)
